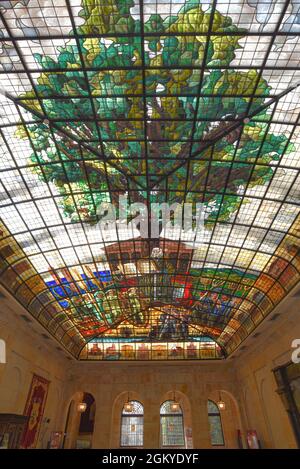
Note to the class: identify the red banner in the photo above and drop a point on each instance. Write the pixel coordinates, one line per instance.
(34, 409)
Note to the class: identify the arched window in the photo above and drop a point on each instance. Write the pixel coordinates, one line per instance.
(132, 425)
(215, 424)
(171, 425)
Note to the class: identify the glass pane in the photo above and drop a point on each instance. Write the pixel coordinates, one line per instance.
(212, 407)
(132, 429)
(216, 432)
(172, 430)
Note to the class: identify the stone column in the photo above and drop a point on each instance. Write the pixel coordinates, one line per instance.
(103, 419)
(152, 420)
(72, 428)
(200, 423)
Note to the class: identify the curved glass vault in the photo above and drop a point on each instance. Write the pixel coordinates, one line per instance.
(174, 102)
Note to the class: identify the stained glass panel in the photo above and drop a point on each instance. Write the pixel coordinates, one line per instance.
(132, 425)
(109, 104)
(215, 424)
(171, 425)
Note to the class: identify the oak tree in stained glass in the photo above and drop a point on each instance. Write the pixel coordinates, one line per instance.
(145, 96)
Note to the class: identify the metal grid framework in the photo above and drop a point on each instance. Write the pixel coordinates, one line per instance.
(158, 101)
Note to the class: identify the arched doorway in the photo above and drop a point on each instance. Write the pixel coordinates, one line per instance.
(80, 421)
(86, 422)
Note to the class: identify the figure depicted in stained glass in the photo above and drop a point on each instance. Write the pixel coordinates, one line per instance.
(111, 306)
(135, 313)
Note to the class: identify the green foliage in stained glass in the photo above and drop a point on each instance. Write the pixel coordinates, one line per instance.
(129, 84)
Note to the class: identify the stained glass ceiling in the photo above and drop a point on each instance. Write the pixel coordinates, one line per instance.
(158, 102)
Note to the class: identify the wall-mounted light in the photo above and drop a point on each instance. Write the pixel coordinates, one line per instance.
(128, 406)
(175, 406)
(82, 407)
(220, 403)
